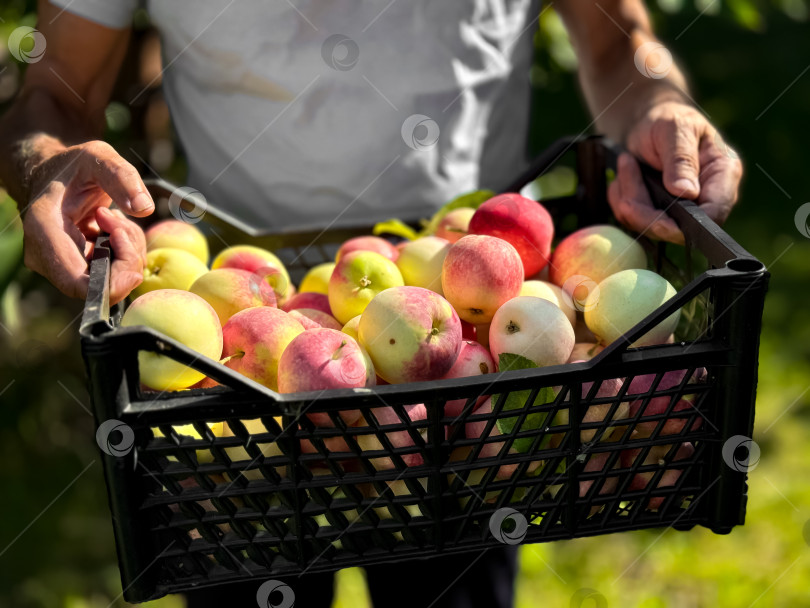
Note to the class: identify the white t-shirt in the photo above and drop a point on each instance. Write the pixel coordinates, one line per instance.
(310, 113)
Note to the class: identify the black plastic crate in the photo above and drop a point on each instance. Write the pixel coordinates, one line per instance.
(278, 496)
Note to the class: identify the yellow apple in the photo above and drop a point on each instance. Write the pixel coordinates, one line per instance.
(317, 279)
(350, 328)
(169, 269)
(180, 315)
(175, 234)
(188, 430)
(420, 262)
(229, 290)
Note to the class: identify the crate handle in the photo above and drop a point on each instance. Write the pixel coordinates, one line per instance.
(96, 314)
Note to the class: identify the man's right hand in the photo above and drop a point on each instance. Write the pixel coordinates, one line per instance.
(71, 193)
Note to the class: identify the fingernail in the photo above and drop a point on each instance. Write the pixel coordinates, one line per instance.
(141, 202)
(685, 184)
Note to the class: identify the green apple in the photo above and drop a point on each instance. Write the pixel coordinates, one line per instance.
(181, 315)
(625, 298)
(169, 269)
(357, 278)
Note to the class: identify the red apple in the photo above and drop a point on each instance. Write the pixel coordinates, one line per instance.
(265, 265)
(468, 331)
(398, 439)
(656, 455)
(658, 405)
(411, 333)
(473, 360)
(598, 412)
(320, 359)
(598, 462)
(311, 318)
(308, 299)
(368, 243)
(520, 221)
(479, 274)
(594, 253)
(254, 340)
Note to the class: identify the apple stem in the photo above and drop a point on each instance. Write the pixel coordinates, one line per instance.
(512, 327)
(336, 354)
(365, 281)
(236, 355)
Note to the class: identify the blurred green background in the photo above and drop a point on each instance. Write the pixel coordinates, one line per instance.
(748, 61)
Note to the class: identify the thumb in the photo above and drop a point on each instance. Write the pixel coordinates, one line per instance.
(678, 151)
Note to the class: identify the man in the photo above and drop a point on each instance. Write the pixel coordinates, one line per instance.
(326, 112)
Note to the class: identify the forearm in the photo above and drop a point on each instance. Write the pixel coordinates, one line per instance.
(35, 128)
(618, 94)
(615, 89)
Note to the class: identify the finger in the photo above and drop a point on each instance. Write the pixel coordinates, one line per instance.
(110, 219)
(106, 168)
(677, 143)
(632, 206)
(50, 251)
(720, 180)
(126, 272)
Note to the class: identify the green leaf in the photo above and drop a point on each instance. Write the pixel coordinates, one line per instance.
(517, 400)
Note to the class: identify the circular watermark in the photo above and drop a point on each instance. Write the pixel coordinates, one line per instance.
(592, 596)
(272, 276)
(115, 438)
(353, 370)
(653, 60)
(420, 132)
(275, 594)
(25, 36)
(802, 220)
(741, 453)
(508, 526)
(580, 292)
(724, 148)
(340, 52)
(187, 205)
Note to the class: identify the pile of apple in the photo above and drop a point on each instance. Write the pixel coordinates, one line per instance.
(482, 292)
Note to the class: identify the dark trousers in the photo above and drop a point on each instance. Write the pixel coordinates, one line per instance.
(481, 579)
